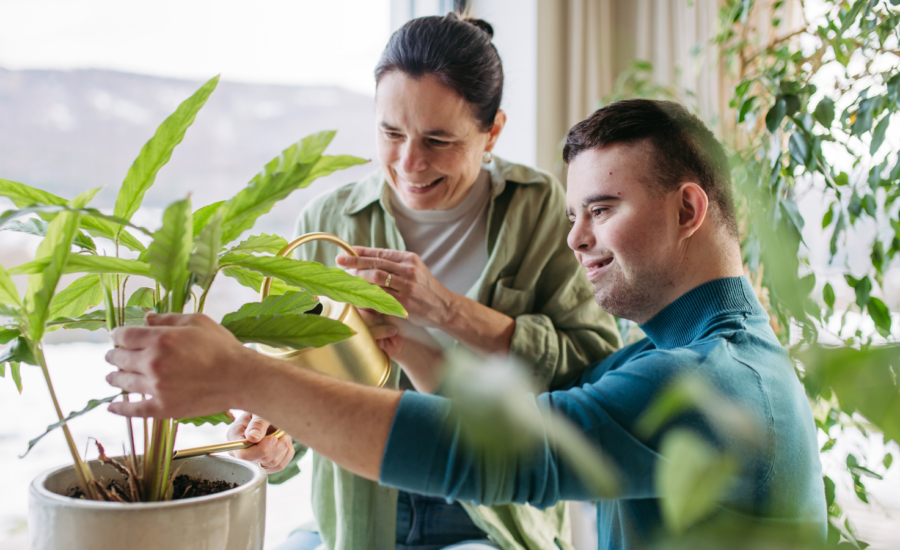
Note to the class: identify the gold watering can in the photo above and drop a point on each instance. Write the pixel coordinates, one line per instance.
(356, 359)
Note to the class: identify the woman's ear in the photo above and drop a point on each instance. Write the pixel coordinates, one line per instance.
(494, 133)
(693, 207)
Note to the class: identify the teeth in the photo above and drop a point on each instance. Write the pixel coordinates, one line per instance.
(422, 185)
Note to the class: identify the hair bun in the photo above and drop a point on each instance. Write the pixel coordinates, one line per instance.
(481, 24)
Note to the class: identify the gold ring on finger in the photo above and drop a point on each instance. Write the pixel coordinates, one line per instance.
(387, 282)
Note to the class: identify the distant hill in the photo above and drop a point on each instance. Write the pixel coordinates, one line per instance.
(68, 131)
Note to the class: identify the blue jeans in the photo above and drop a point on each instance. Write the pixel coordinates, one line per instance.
(423, 523)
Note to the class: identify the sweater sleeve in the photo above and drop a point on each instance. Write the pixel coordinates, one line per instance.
(426, 450)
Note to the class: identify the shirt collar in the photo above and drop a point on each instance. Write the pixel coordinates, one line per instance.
(687, 318)
(372, 188)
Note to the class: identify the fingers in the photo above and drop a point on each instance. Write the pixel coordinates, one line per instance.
(361, 263)
(238, 427)
(130, 382)
(174, 319)
(125, 359)
(282, 452)
(146, 409)
(383, 253)
(381, 332)
(256, 429)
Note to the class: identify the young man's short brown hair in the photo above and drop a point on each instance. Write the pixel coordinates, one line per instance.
(684, 148)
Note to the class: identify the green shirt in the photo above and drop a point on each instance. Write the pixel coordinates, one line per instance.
(531, 276)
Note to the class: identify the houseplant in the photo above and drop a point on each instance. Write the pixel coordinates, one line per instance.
(183, 258)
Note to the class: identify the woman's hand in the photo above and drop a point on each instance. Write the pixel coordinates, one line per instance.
(412, 347)
(405, 276)
(272, 454)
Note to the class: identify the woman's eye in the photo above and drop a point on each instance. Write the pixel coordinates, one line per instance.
(393, 135)
(438, 143)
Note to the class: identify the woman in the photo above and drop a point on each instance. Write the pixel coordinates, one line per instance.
(474, 248)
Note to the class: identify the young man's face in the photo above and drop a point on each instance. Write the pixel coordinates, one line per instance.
(624, 231)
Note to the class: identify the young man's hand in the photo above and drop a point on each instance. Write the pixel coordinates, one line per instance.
(189, 364)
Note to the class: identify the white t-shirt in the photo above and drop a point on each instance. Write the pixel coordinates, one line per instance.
(452, 243)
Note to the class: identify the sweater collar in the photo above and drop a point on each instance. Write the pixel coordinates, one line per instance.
(687, 318)
(373, 188)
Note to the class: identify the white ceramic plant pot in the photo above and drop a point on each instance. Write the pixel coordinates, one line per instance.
(230, 520)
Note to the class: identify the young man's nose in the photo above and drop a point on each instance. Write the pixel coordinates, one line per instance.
(581, 238)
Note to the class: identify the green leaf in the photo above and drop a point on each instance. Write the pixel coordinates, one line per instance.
(799, 148)
(829, 491)
(18, 351)
(79, 263)
(880, 314)
(863, 289)
(83, 294)
(828, 295)
(828, 217)
(157, 152)
(824, 112)
(289, 331)
(791, 105)
(96, 320)
(746, 107)
(143, 297)
(296, 167)
(8, 334)
(203, 215)
(54, 248)
(289, 303)
(204, 260)
(863, 380)
(24, 195)
(842, 179)
(38, 227)
(8, 293)
(265, 244)
(887, 461)
(14, 370)
(776, 115)
(169, 252)
(692, 479)
(213, 419)
(95, 222)
(92, 404)
(320, 281)
(879, 133)
(864, 115)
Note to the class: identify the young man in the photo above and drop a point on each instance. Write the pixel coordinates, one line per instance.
(653, 223)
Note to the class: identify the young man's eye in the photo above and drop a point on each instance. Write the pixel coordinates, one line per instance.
(598, 211)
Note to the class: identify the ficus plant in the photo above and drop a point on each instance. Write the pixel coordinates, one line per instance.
(813, 105)
(184, 257)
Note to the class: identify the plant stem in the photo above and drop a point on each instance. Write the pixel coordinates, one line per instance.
(85, 476)
(167, 459)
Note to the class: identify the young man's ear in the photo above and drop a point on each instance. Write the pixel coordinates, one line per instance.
(693, 207)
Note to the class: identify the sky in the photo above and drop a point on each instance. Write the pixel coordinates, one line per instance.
(301, 42)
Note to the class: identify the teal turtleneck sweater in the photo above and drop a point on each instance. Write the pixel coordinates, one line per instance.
(718, 331)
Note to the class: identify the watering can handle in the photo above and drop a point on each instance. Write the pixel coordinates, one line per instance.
(264, 291)
(309, 237)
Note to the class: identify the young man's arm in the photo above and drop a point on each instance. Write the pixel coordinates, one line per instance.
(191, 366)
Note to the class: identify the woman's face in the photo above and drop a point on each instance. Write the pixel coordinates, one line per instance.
(429, 144)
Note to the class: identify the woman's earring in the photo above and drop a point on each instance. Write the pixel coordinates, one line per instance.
(487, 157)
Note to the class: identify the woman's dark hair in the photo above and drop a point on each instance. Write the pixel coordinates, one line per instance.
(684, 148)
(457, 51)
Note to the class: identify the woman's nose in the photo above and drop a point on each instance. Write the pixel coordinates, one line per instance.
(413, 158)
(580, 238)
